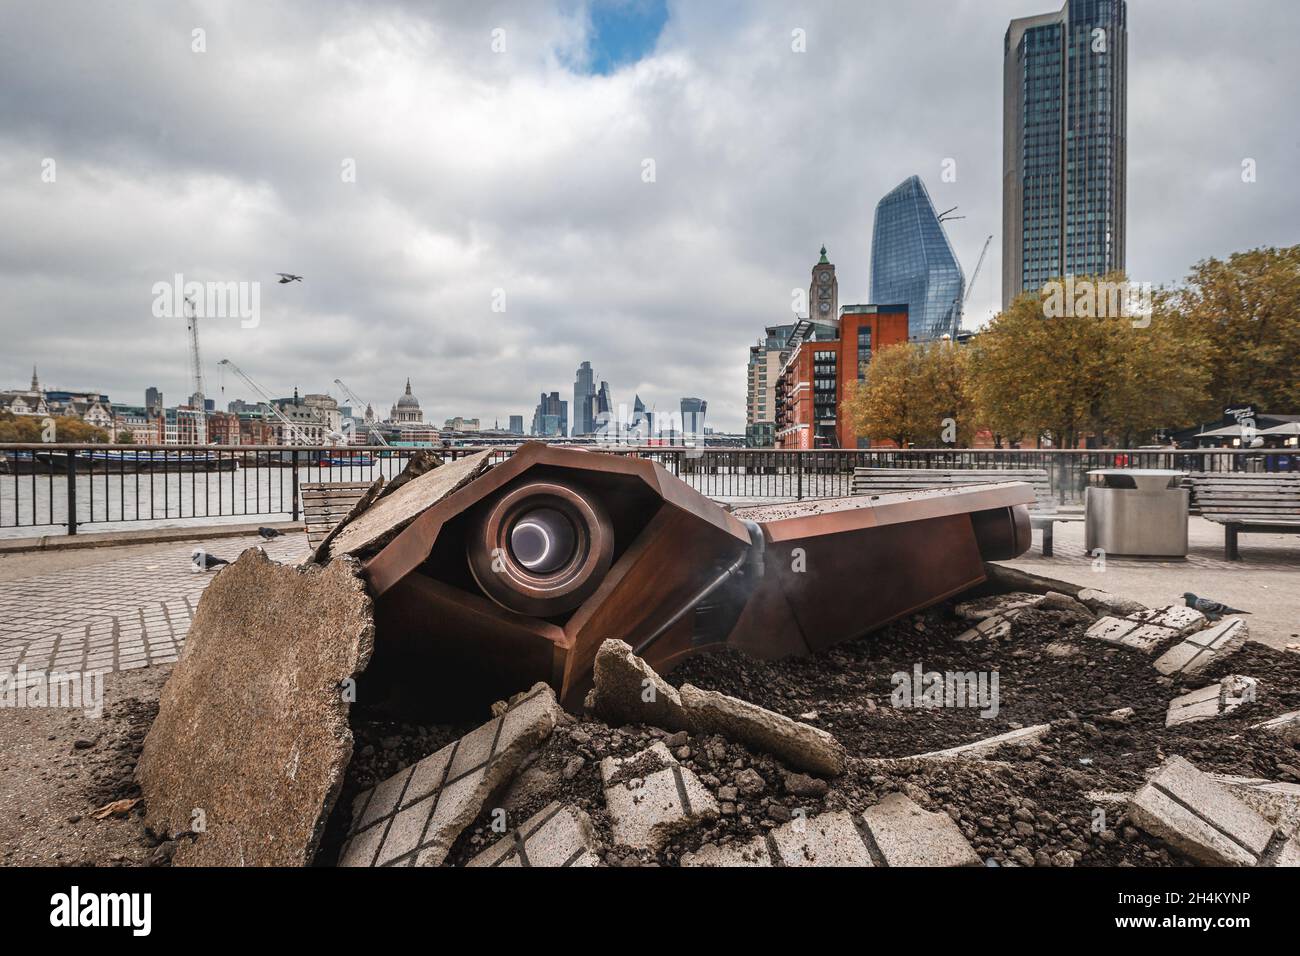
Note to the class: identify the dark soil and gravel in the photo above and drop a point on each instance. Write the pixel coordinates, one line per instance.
(1024, 806)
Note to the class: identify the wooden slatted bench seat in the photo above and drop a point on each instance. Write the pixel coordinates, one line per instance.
(1043, 515)
(326, 503)
(1246, 504)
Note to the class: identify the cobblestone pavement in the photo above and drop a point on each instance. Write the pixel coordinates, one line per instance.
(1264, 582)
(120, 614)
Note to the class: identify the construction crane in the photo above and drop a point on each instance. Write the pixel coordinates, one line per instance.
(959, 303)
(357, 402)
(267, 401)
(196, 365)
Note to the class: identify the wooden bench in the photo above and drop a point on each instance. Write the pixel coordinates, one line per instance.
(1042, 515)
(326, 503)
(1255, 503)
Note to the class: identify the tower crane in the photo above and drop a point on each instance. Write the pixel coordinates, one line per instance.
(196, 365)
(960, 303)
(356, 402)
(266, 400)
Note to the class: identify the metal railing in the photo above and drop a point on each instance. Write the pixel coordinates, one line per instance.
(78, 486)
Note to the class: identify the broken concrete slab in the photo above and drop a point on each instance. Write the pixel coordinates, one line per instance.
(1276, 801)
(251, 740)
(388, 516)
(1213, 701)
(1056, 601)
(828, 839)
(422, 462)
(557, 835)
(796, 744)
(1203, 648)
(1287, 726)
(899, 832)
(628, 691)
(996, 605)
(1175, 617)
(650, 797)
(754, 853)
(1147, 629)
(1105, 603)
(993, 628)
(1024, 737)
(414, 817)
(1125, 633)
(1200, 817)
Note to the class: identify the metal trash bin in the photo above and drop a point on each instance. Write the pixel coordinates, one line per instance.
(1136, 511)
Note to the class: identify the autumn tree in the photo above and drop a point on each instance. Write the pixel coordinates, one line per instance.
(914, 394)
(1037, 372)
(1246, 312)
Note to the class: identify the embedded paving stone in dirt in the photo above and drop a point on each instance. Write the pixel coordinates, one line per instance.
(650, 797)
(252, 740)
(1213, 701)
(388, 516)
(900, 833)
(1145, 630)
(1200, 817)
(414, 817)
(555, 836)
(1203, 648)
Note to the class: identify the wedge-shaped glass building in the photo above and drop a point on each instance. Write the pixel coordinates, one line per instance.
(912, 263)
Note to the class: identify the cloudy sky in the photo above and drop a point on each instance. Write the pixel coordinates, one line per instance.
(499, 152)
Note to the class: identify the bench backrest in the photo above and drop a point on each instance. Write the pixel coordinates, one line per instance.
(326, 503)
(1241, 496)
(874, 481)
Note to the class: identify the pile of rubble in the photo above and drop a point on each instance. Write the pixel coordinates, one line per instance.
(1094, 731)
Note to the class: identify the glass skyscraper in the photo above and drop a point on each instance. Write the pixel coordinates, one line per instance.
(912, 263)
(1064, 153)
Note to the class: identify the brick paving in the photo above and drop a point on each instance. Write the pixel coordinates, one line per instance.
(121, 614)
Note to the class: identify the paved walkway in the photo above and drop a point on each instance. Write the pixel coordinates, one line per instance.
(107, 612)
(1265, 582)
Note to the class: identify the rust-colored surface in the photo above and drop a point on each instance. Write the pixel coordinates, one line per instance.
(520, 575)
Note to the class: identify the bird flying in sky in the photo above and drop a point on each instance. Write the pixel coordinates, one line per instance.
(288, 277)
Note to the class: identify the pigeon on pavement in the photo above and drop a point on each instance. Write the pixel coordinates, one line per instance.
(269, 533)
(1211, 609)
(202, 561)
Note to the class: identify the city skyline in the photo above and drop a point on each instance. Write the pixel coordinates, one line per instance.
(522, 172)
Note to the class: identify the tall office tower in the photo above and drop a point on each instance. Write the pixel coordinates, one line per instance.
(551, 417)
(693, 411)
(913, 264)
(604, 404)
(1064, 144)
(516, 424)
(153, 401)
(584, 393)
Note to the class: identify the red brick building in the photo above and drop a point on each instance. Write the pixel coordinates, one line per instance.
(826, 360)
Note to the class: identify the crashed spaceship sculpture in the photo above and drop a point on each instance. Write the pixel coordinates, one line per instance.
(518, 574)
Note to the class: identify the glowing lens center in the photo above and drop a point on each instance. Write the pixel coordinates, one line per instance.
(542, 540)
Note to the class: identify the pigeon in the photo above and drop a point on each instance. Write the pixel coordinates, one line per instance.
(288, 277)
(202, 561)
(269, 533)
(1211, 609)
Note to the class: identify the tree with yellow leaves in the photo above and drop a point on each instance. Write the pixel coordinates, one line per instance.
(914, 394)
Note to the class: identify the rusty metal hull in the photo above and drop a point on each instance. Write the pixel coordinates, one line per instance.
(658, 565)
